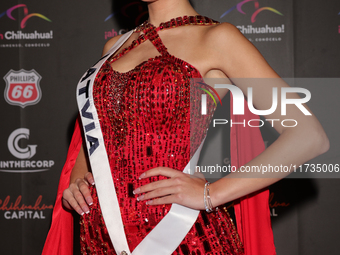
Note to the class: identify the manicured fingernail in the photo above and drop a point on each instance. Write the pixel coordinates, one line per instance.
(136, 191)
(89, 201)
(86, 209)
(149, 202)
(140, 198)
(92, 181)
(141, 176)
(81, 212)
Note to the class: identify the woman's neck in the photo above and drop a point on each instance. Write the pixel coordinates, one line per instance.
(164, 10)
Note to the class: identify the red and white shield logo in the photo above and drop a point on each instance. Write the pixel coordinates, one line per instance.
(22, 87)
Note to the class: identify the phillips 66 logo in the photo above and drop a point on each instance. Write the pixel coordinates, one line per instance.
(22, 87)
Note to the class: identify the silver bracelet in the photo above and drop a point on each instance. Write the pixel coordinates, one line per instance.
(211, 207)
(207, 201)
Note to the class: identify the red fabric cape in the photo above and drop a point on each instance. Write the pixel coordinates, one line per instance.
(60, 236)
(252, 211)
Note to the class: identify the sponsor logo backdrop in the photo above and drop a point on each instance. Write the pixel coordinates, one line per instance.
(46, 47)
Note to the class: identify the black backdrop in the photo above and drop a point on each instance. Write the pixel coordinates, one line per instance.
(59, 40)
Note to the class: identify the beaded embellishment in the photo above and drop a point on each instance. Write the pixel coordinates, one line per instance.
(145, 120)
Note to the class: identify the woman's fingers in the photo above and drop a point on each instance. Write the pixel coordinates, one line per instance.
(163, 200)
(65, 200)
(165, 171)
(89, 178)
(180, 188)
(154, 185)
(84, 190)
(70, 202)
(160, 192)
(78, 196)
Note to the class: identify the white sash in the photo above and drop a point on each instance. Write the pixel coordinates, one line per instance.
(172, 229)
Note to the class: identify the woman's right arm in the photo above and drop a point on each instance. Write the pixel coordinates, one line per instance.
(77, 196)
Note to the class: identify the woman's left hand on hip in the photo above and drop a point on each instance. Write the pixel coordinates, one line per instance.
(180, 188)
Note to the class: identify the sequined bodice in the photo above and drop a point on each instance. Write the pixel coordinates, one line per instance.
(145, 116)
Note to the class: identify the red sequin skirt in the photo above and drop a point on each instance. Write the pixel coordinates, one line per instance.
(212, 233)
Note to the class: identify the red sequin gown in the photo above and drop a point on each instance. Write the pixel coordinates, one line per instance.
(145, 119)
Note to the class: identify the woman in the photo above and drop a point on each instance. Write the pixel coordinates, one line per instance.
(137, 94)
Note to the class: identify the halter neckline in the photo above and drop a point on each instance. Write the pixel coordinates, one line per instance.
(176, 22)
(150, 32)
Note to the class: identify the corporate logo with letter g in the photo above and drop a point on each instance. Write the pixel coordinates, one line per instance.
(19, 146)
(14, 141)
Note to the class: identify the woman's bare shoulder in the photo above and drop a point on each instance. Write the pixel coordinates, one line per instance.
(235, 55)
(224, 26)
(226, 33)
(108, 45)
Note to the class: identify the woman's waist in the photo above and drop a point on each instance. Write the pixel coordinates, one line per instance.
(131, 167)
